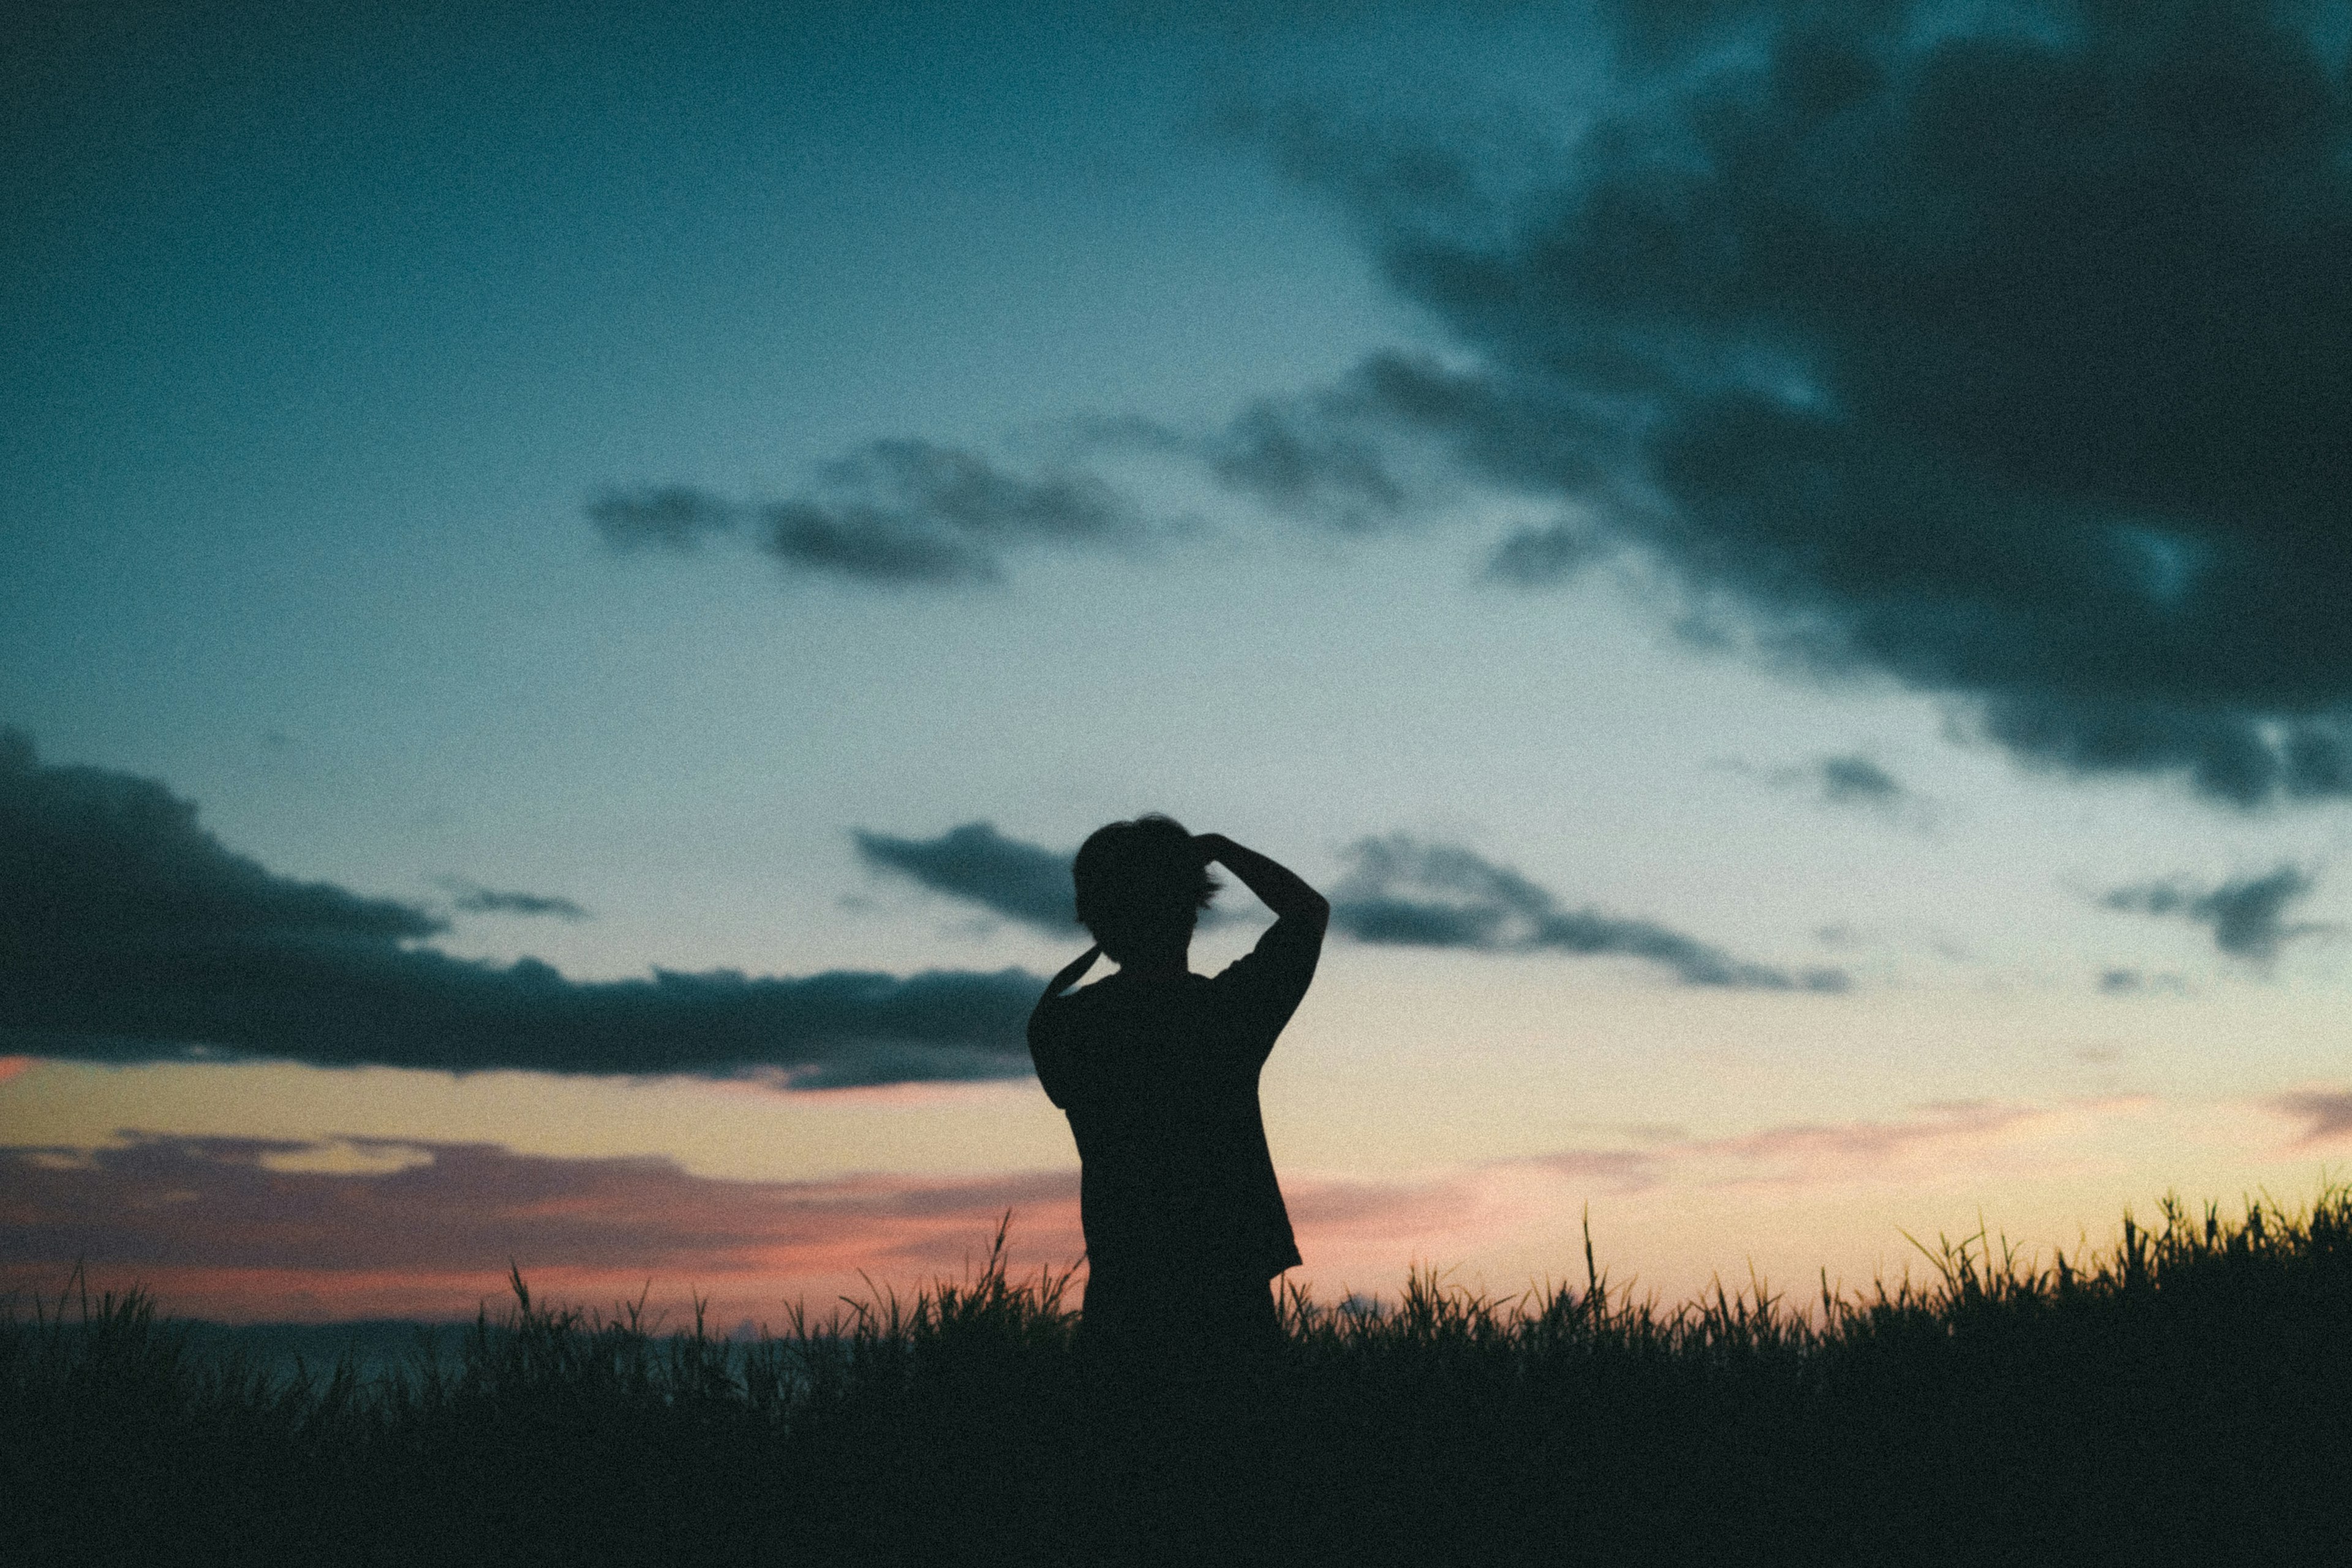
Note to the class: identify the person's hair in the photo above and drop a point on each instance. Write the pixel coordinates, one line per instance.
(1141, 884)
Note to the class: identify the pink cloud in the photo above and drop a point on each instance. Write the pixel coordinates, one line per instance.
(1807, 1151)
(10, 1066)
(247, 1229)
(1613, 1170)
(1937, 1136)
(217, 1231)
(2327, 1114)
(1380, 1225)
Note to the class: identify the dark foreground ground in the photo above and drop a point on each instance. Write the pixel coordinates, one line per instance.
(2186, 1399)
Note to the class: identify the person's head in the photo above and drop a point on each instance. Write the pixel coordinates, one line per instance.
(1140, 885)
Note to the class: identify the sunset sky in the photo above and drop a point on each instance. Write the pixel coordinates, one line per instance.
(570, 579)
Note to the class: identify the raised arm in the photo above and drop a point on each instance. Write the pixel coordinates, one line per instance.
(1071, 973)
(1045, 1040)
(1277, 887)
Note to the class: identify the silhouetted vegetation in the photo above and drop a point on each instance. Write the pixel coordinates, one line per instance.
(2185, 1397)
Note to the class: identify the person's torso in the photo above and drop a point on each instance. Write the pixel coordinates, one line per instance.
(1163, 1103)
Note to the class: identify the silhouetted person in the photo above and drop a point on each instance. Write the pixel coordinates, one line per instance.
(1158, 1068)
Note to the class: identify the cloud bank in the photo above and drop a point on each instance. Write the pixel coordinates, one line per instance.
(129, 933)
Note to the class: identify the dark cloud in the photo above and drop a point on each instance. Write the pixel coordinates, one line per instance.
(1407, 893)
(903, 512)
(2006, 351)
(90, 856)
(2246, 917)
(976, 863)
(1009, 877)
(469, 898)
(129, 933)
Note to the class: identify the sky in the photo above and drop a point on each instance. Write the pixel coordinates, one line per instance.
(569, 580)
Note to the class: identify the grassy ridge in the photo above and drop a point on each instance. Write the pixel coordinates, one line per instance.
(2185, 1397)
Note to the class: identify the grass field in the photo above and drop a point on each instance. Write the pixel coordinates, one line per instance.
(2185, 1396)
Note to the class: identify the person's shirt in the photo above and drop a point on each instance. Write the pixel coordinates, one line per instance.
(1159, 1076)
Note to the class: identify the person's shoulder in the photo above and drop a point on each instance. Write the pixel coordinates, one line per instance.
(1304, 929)
(1291, 933)
(1091, 998)
(1286, 945)
(1114, 995)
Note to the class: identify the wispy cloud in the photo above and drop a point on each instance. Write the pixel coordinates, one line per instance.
(1857, 781)
(1330, 458)
(1848, 781)
(899, 512)
(2137, 983)
(2247, 917)
(468, 898)
(1546, 556)
(129, 933)
(976, 863)
(1813, 1153)
(1404, 892)
(668, 517)
(1808, 1154)
(1398, 892)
